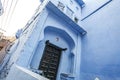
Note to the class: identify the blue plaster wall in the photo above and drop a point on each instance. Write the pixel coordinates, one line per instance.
(101, 45)
(91, 6)
(73, 6)
(51, 30)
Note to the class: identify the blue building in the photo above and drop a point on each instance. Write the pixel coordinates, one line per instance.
(67, 40)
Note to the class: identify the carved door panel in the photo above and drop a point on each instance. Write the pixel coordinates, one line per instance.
(50, 61)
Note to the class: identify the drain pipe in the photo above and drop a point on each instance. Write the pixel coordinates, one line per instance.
(96, 10)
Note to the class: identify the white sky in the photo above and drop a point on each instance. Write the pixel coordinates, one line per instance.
(23, 12)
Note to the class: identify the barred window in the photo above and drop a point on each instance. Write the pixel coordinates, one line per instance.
(61, 6)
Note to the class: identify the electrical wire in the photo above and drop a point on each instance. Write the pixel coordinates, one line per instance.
(4, 2)
(7, 15)
(3, 16)
(12, 13)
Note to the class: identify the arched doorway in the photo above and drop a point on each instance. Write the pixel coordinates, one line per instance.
(55, 41)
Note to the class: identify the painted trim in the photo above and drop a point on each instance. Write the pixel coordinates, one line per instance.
(96, 10)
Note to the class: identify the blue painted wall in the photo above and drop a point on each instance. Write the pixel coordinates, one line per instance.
(94, 56)
(101, 45)
(53, 28)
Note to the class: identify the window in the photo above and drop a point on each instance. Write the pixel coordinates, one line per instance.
(61, 6)
(69, 12)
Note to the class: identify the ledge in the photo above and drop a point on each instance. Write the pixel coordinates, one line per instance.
(63, 16)
(67, 76)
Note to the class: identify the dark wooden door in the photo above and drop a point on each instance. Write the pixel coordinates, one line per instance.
(50, 61)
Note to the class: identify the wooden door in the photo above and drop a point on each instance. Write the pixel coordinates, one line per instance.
(50, 61)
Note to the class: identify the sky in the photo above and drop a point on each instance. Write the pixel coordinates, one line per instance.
(15, 18)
